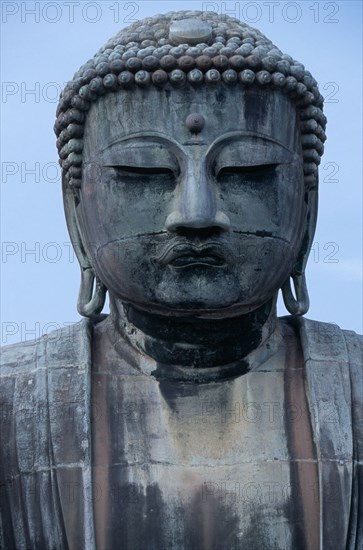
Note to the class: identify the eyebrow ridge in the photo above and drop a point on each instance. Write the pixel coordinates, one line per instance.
(148, 136)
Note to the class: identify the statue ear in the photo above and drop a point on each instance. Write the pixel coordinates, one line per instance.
(88, 303)
(300, 304)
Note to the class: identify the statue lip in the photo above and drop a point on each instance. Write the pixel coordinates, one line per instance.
(186, 254)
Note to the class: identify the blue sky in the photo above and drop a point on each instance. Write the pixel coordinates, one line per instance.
(44, 43)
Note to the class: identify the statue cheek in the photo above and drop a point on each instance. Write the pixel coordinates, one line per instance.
(127, 268)
(127, 210)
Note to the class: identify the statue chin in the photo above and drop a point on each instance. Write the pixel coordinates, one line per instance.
(207, 307)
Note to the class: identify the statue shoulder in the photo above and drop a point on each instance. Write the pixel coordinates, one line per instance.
(333, 365)
(328, 342)
(354, 344)
(64, 347)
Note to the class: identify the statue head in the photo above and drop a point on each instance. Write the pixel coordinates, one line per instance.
(189, 148)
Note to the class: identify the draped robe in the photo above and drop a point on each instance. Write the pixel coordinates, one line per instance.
(111, 457)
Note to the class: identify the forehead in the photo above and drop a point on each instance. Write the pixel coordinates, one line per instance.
(225, 109)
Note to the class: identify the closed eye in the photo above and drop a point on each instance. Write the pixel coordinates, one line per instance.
(255, 170)
(142, 170)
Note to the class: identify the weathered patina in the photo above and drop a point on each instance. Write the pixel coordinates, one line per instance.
(190, 417)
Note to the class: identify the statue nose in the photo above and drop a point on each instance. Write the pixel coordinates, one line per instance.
(196, 205)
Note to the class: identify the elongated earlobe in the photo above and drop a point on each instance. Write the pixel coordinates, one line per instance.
(300, 304)
(92, 294)
(89, 302)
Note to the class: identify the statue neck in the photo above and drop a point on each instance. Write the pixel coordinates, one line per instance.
(190, 343)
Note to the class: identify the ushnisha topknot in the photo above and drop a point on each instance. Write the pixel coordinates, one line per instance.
(187, 48)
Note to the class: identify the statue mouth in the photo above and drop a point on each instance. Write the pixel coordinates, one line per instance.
(185, 255)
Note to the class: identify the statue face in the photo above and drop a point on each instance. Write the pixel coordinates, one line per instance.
(209, 222)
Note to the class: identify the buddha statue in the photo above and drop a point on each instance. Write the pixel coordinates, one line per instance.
(191, 416)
